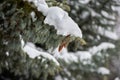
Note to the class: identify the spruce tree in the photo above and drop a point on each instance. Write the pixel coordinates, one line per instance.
(97, 19)
(16, 20)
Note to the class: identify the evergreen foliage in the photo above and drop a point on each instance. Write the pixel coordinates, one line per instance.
(16, 20)
(90, 16)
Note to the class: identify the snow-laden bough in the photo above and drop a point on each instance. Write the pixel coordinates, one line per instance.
(59, 18)
(32, 52)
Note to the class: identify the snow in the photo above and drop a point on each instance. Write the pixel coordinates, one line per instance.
(65, 78)
(84, 15)
(109, 34)
(73, 11)
(84, 1)
(104, 13)
(33, 16)
(76, 6)
(29, 48)
(32, 52)
(65, 25)
(116, 8)
(103, 71)
(84, 56)
(117, 78)
(7, 53)
(106, 33)
(6, 63)
(65, 55)
(41, 5)
(102, 46)
(93, 13)
(58, 18)
(68, 57)
(67, 72)
(62, 22)
(58, 77)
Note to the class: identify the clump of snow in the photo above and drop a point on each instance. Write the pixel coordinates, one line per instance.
(68, 57)
(7, 53)
(93, 13)
(105, 21)
(84, 15)
(58, 18)
(102, 46)
(6, 63)
(62, 22)
(33, 16)
(29, 48)
(65, 78)
(77, 6)
(58, 77)
(117, 78)
(103, 71)
(106, 33)
(67, 72)
(84, 1)
(65, 55)
(84, 56)
(116, 8)
(32, 51)
(73, 11)
(41, 5)
(104, 13)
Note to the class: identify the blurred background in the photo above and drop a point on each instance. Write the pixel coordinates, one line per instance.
(99, 59)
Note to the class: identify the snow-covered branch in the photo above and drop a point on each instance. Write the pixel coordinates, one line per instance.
(58, 18)
(32, 51)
